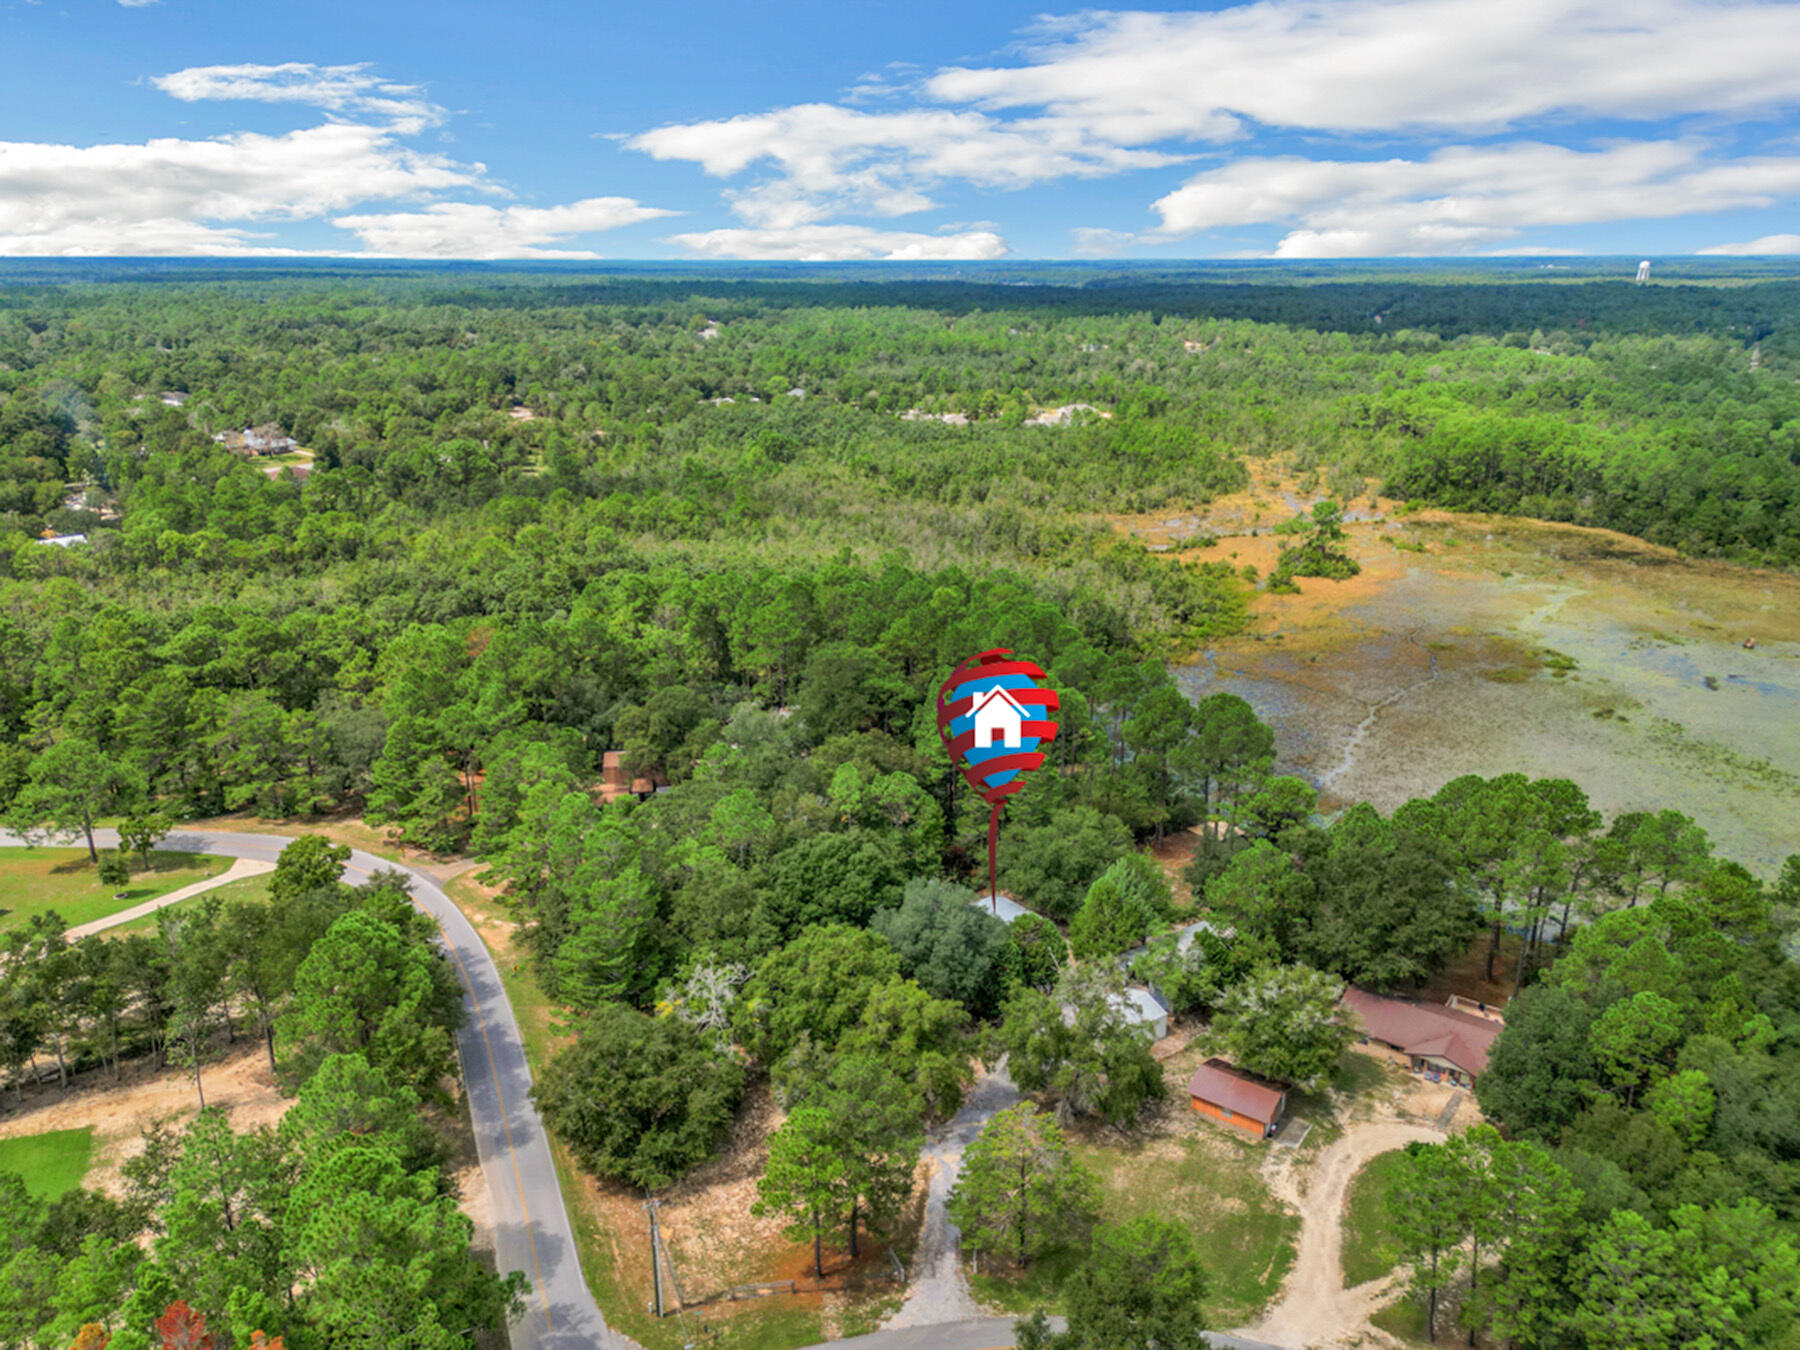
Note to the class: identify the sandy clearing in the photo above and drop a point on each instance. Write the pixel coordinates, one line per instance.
(119, 1112)
(1315, 1310)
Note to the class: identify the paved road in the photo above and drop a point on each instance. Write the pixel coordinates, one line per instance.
(532, 1231)
(985, 1333)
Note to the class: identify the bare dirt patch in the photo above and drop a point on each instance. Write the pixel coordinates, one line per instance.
(240, 1083)
(716, 1243)
(1315, 1310)
(1174, 852)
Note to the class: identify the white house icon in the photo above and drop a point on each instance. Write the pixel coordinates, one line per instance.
(997, 716)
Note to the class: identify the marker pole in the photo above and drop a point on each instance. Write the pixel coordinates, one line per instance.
(993, 853)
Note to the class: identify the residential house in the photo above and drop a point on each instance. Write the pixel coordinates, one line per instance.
(1430, 1038)
(1140, 1005)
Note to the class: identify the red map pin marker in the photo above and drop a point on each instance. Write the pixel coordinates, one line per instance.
(992, 716)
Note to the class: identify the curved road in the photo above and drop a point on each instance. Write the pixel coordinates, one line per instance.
(531, 1225)
(532, 1231)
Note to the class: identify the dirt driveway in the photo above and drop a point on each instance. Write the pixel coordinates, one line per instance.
(1315, 1309)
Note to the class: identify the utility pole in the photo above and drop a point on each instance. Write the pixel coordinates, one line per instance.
(655, 1262)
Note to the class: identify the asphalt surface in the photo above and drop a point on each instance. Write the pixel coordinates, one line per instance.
(986, 1333)
(532, 1232)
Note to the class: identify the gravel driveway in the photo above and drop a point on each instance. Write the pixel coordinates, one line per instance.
(938, 1293)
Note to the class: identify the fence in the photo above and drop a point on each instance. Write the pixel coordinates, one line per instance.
(738, 1291)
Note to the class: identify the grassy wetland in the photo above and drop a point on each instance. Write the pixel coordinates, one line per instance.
(1487, 644)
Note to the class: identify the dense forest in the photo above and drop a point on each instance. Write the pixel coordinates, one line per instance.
(737, 531)
(339, 1226)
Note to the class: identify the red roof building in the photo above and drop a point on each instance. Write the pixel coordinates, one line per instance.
(1433, 1037)
(1240, 1099)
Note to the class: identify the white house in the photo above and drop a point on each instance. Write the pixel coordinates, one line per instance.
(997, 716)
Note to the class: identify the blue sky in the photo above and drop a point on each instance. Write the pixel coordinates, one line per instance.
(869, 129)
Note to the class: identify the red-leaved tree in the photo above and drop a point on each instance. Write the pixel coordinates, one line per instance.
(181, 1328)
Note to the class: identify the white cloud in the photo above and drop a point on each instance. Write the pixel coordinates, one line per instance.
(1100, 93)
(470, 230)
(174, 196)
(1389, 65)
(137, 4)
(350, 89)
(1767, 245)
(831, 160)
(121, 199)
(1101, 243)
(844, 243)
(1464, 198)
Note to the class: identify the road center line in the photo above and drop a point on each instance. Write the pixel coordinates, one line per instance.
(505, 1122)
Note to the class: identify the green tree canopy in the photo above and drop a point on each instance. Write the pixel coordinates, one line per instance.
(367, 988)
(1285, 1023)
(1079, 1047)
(640, 1099)
(949, 945)
(1020, 1192)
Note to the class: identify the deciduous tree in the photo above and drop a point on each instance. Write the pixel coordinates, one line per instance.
(1285, 1022)
(640, 1099)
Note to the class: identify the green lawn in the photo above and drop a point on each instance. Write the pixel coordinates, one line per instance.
(1370, 1248)
(245, 888)
(1202, 1177)
(50, 1163)
(33, 880)
(1405, 1321)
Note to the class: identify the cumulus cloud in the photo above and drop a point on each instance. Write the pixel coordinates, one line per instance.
(1392, 65)
(1100, 93)
(1463, 198)
(175, 196)
(345, 90)
(844, 243)
(172, 196)
(830, 160)
(471, 230)
(1768, 244)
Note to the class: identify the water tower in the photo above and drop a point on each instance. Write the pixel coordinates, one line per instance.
(1643, 277)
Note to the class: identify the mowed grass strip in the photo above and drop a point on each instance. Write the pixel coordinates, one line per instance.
(33, 880)
(1371, 1248)
(253, 889)
(49, 1163)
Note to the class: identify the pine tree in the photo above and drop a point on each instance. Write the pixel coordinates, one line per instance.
(1020, 1191)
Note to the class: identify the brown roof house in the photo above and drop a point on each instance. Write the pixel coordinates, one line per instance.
(1242, 1100)
(1435, 1039)
(613, 783)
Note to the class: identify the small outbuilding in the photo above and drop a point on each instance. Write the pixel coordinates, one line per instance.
(1242, 1100)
